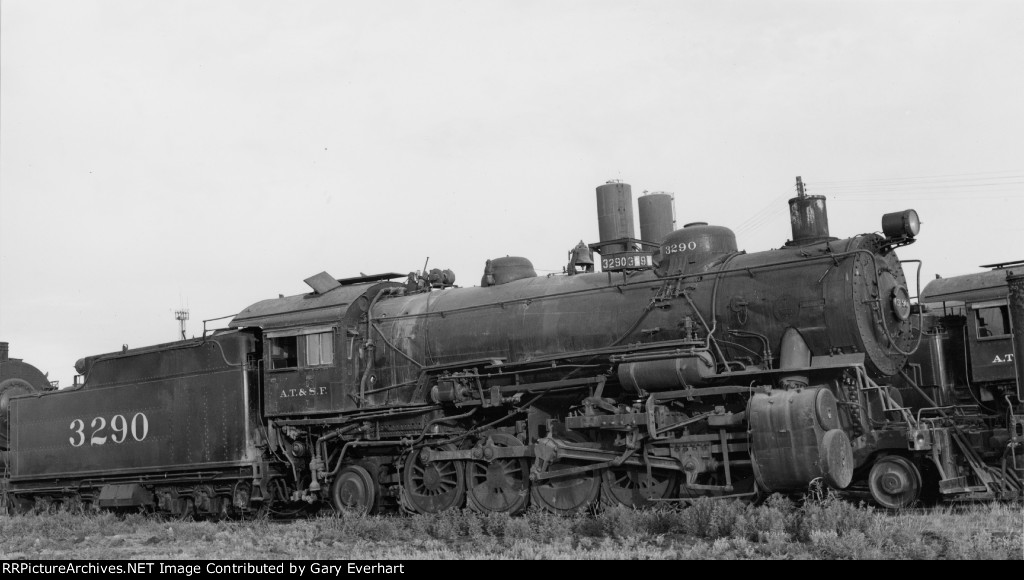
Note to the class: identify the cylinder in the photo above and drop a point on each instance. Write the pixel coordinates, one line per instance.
(1016, 299)
(656, 216)
(809, 218)
(614, 214)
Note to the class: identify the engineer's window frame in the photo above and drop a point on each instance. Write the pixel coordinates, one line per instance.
(319, 348)
(289, 345)
(996, 313)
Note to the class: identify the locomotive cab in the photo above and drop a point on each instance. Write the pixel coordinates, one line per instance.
(974, 309)
(310, 361)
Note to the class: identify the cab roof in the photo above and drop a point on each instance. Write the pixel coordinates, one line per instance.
(977, 287)
(317, 307)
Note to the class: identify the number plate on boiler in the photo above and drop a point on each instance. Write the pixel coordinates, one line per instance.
(623, 261)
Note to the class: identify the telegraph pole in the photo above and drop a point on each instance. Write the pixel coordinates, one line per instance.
(181, 316)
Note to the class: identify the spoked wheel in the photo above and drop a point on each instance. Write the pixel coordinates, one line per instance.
(434, 486)
(501, 485)
(354, 490)
(631, 486)
(568, 494)
(895, 482)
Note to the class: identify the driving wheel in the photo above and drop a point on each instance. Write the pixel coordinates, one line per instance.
(499, 485)
(630, 486)
(433, 486)
(568, 494)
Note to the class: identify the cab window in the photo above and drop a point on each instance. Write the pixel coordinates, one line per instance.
(319, 349)
(993, 321)
(284, 352)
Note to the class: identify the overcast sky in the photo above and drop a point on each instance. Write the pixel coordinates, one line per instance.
(211, 154)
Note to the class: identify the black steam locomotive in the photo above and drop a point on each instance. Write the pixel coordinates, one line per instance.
(684, 368)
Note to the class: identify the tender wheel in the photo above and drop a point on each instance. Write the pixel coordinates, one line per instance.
(187, 510)
(501, 485)
(354, 490)
(631, 487)
(435, 486)
(18, 506)
(568, 494)
(895, 482)
(73, 504)
(241, 495)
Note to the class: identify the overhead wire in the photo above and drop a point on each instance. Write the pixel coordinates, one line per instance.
(771, 210)
(948, 177)
(984, 185)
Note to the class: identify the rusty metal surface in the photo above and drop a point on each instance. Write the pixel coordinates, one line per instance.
(808, 216)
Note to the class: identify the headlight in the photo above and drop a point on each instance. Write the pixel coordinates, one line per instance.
(901, 224)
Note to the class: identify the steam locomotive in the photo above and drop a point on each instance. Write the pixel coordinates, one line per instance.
(683, 368)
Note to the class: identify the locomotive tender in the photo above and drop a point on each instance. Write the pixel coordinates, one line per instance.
(685, 368)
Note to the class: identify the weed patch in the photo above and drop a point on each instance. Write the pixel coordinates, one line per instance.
(820, 528)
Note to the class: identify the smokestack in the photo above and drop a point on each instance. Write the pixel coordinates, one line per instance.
(808, 216)
(3, 351)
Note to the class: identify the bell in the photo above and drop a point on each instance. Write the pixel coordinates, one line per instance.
(583, 255)
(580, 257)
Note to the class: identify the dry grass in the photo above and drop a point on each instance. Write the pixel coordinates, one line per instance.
(778, 529)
